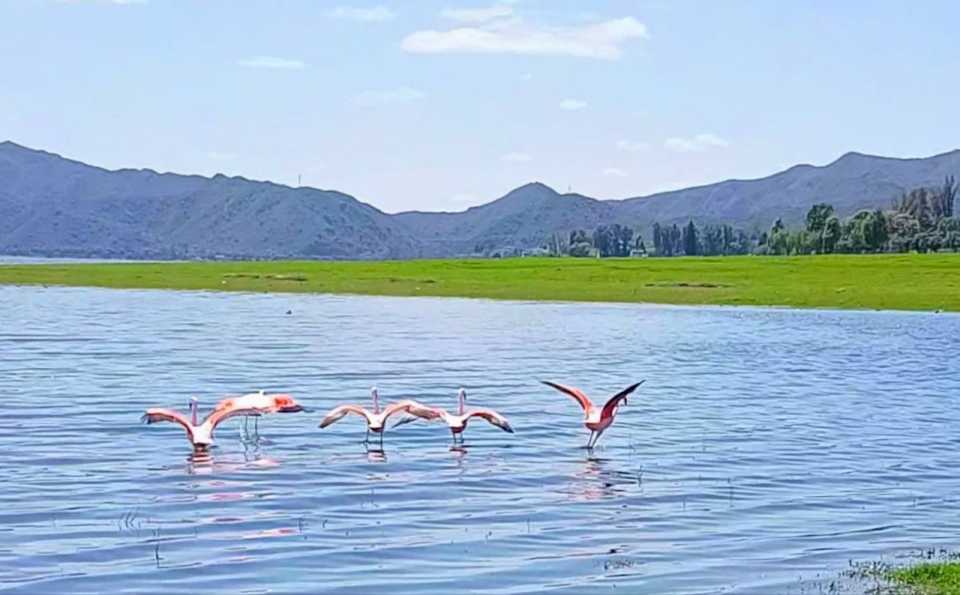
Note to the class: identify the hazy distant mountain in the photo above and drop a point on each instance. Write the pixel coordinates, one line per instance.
(55, 206)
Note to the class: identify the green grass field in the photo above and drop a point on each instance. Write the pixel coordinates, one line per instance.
(903, 282)
(934, 578)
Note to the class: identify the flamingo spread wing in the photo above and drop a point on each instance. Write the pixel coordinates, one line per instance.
(614, 401)
(222, 414)
(338, 413)
(156, 415)
(417, 409)
(262, 402)
(493, 417)
(576, 393)
(414, 410)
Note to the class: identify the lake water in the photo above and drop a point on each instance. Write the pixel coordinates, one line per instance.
(766, 450)
(9, 259)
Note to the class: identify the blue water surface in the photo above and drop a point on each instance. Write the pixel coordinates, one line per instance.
(766, 450)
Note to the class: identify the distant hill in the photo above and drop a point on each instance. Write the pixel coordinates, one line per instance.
(55, 206)
(52, 206)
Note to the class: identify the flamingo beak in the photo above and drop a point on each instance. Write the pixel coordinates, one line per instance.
(292, 409)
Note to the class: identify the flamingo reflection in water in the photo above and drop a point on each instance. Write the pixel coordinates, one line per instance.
(594, 481)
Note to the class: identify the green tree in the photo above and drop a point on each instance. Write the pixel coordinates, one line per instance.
(817, 217)
(601, 240)
(830, 236)
(875, 233)
(778, 242)
(657, 241)
(691, 239)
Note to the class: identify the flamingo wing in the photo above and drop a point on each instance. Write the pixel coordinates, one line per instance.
(156, 415)
(493, 417)
(614, 401)
(415, 408)
(228, 401)
(338, 413)
(222, 414)
(576, 393)
(257, 399)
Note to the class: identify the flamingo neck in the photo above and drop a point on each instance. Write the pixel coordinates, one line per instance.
(376, 402)
(193, 412)
(460, 399)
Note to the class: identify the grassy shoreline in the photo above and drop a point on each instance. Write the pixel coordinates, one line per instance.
(929, 578)
(897, 282)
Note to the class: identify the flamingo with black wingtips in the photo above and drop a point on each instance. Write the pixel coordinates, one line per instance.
(596, 419)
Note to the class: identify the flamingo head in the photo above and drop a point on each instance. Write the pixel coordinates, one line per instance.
(286, 404)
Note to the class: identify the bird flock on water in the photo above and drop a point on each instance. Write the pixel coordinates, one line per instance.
(597, 418)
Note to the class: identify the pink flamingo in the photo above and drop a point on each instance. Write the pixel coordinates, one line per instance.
(596, 419)
(201, 434)
(259, 400)
(377, 419)
(458, 423)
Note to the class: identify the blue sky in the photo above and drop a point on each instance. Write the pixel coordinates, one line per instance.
(442, 105)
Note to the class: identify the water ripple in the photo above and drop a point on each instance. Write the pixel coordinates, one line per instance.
(767, 448)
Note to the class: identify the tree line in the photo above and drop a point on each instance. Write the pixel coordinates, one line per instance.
(605, 240)
(673, 240)
(921, 220)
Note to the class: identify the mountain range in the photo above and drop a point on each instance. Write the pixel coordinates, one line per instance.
(53, 206)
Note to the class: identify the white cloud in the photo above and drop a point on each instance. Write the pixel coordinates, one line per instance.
(477, 15)
(273, 63)
(615, 172)
(632, 146)
(375, 14)
(516, 157)
(700, 142)
(572, 104)
(388, 96)
(601, 40)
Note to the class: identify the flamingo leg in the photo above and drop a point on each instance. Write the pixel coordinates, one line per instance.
(256, 427)
(381, 440)
(590, 439)
(597, 438)
(366, 439)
